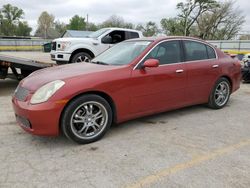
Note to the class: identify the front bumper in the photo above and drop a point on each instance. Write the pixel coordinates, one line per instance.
(40, 119)
(60, 56)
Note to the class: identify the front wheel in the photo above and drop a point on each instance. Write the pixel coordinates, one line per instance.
(86, 119)
(220, 94)
(81, 58)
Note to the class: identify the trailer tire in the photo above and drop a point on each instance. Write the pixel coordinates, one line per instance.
(3, 72)
(25, 73)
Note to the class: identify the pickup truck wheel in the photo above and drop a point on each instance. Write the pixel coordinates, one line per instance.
(86, 119)
(81, 57)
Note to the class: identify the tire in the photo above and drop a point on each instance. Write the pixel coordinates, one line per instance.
(25, 73)
(81, 57)
(85, 124)
(220, 94)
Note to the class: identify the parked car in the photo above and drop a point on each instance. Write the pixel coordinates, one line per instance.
(134, 78)
(246, 68)
(76, 50)
(246, 59)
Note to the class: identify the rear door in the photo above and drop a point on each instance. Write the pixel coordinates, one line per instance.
(161, 88)
(203, 70)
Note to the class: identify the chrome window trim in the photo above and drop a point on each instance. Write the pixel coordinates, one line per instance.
(166, 40)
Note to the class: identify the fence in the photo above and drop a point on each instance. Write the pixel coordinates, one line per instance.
(232, 46)
(22, 44)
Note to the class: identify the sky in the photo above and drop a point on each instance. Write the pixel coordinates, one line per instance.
(135, 11)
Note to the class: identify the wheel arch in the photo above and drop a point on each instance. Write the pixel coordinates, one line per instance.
(81, 50)
(230, 81)
(102, 94)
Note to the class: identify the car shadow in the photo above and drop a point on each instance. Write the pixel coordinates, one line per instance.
(122, 128)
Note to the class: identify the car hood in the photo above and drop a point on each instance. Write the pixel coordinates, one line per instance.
(63, 72)
(76, 40)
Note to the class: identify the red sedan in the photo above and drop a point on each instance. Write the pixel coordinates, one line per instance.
(135, 78)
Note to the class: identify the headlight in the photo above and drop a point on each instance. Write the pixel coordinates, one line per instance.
(63, 45)
(46, 91)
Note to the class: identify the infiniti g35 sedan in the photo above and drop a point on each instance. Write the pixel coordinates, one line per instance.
(135, 78)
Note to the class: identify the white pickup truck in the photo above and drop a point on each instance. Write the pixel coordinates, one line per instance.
(76, 50)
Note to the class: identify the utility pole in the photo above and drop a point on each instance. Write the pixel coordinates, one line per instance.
(87, 23)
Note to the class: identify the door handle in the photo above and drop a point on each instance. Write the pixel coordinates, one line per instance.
(215, 66)
(179, 71)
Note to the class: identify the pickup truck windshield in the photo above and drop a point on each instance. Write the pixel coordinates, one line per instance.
(98, 33)
(122, 53)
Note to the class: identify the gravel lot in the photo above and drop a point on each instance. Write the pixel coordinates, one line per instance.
(190, 147)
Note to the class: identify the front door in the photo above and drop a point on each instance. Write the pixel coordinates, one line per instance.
(161, 88)
(110, 40)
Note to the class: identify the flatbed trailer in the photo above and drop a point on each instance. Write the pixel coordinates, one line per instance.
(20, 67)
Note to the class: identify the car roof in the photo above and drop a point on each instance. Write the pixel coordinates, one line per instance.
(158, 39)
(121, 29)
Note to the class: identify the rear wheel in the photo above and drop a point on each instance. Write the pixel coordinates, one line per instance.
(86, 119)
(81, 58)
(220, 94)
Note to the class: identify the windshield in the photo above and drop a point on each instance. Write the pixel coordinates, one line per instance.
(122, 53)
(98, 33)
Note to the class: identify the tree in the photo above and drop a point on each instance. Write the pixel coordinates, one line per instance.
(60, 27)
(10, 21)
(149, 30)
(191, 11)
(92, 27)
(23, 29)
(207, 19)
(45, 23)
(12, 14)
(224, 22)
(172, 26)
(116, 21)
(77, 23)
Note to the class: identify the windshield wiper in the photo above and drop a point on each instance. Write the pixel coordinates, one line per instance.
(99, 63)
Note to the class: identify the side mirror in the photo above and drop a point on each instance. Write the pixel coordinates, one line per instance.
(107, 40)
(151, 63)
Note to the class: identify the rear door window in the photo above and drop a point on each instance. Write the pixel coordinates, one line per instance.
(210, 52)
(195, 51)
(132, 35)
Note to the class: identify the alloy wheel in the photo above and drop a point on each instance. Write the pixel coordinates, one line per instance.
(222, 93)
(89, 120)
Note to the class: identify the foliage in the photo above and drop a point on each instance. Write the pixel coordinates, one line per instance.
(192, 10)
(172, 26)
(77, 23)
(149, 30)
(116, 21)
(10, 21)
(60, 27)
(23, 29)
(92, 27)
(207, 19)
(223, 23)
(45, 23)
